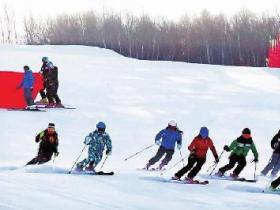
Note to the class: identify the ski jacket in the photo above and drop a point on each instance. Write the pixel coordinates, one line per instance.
(169, 138)
(28, 80)
(200, 146)
(97, 141)
(241, 147)
(45, 68)
(275, 143)
(48, 143)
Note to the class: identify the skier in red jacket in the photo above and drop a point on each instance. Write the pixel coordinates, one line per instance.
(198, 148)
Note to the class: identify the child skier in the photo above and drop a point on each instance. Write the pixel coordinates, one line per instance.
(97, 140)
(169, 136)
(198, 148)
(48, 145)
(240, 148)
(274, 163)
(27, 84)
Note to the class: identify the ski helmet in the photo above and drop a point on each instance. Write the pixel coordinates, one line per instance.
(246, 131)
(172, 123)
(204, 132)
(101, 125)
(45, 59)
(26, 67)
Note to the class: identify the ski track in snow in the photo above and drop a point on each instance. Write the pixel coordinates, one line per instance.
(136, 99)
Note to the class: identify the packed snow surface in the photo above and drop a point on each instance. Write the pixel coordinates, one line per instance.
(136, 99)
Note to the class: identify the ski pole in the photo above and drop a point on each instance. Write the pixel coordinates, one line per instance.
(173, 166)
(77, 159)
(104, 162)
(255, 171)
(182, 158)
(131, 156)
(216, 164)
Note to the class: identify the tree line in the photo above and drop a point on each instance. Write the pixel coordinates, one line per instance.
(242, 39)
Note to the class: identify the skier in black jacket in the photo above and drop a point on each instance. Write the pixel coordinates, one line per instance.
(48, 145)
(274, 162)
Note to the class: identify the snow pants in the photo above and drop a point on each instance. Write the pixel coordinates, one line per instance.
(94, 157)
(276, 182)
(52, 94)
(28, 96)
(192, 160)
(160, 153)
(40, 159)
(233, 159)
(273, 165)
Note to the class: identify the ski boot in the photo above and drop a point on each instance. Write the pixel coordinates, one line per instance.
(190, 180)
(147, 166)
(50, 105)
(31, 107)
(79, 168)
(219, 174)
(59, 105)
(175, 178)
(233, 176)
(90, 168)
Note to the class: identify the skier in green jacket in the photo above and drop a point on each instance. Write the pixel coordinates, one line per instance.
(239, 149)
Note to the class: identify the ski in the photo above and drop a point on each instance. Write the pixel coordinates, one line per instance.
(233, 179)
(55, 107)
(100, 173)
(28, 110)
(268, 191)
(205, 182)
(151, 169)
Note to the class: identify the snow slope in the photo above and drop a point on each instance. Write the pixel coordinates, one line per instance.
(136, 99)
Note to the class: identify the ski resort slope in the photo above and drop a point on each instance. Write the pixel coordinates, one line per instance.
(136, 99)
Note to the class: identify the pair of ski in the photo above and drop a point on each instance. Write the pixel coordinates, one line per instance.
(40, 108)
(239, 179)
(100, 173)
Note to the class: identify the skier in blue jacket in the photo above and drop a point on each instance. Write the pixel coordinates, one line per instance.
(166, 139)
(27, 84)
(97, 141)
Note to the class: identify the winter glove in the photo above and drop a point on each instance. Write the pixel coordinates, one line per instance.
(216, 160)
(56, 154)
(179, 146)
(158, 142)
(87, 140)
(108, 152)
(226, 148)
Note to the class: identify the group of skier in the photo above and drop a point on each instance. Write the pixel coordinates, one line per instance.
(166, 139)
(48, 93)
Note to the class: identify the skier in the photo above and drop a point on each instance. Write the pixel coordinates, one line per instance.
(27, 84)
(240, 148)
(274, 184)
(168, 136)
(97, 140)
(48, 145)
(51, 84)
(198, 148)
(274, 163)
(46, 66)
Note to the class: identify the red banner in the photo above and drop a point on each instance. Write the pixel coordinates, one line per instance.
(274, 53)
(10, 97)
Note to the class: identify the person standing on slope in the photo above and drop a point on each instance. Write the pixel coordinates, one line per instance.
(48, 145)
(46, 66)
(274, 163)
(198, 148)
(27, 84)
(97, 141)
(166, 140)
(240, 148)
